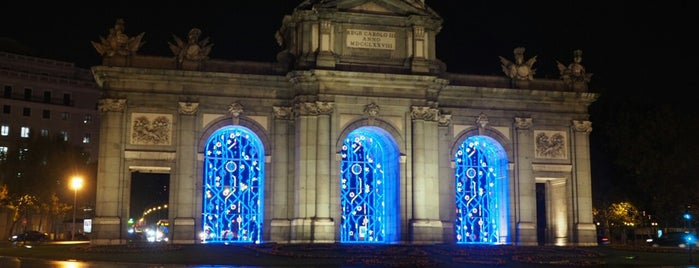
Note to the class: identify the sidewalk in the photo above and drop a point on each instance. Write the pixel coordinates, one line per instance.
(340, 255)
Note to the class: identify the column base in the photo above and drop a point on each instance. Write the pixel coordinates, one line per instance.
(106, 231)
(426, 231)
(586, 234)
(323, 230)
(526, 234)
(280, 231)
(183, 232)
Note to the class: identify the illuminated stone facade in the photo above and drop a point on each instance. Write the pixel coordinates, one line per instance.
(356, 135)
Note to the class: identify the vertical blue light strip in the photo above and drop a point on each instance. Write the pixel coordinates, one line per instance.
(233, 187)
(369, 180)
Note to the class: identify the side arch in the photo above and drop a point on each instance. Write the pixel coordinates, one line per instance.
(233, 186)
(481, 191)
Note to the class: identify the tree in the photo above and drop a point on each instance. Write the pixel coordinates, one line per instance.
(37, 179)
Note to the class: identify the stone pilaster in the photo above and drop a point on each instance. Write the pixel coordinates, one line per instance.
(425, 224)
(305, 171)
(585, 230)
(323, 225)
(525, 184)
(183, 178)
(281, 182)
(106, 227)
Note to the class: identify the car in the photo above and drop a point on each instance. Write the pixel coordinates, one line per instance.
(30, 236)
(603, 240)
(675, 239)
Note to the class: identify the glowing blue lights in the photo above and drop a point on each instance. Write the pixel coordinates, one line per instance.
(233, 187)
(480, 193)
(369, 179)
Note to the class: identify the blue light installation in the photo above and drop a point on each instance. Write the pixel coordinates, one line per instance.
(369, 180)
(481, 191)
(233, 187)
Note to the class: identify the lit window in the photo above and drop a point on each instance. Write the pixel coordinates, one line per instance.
(44, 132)
(64, 135)
(22, 156)
(88, 119)
(5, 130)
(3, 153)
(86, 138)
(25, 132)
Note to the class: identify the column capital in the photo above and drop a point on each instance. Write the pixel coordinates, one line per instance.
(582, 126)
(425, 113)
(188, 108)
(523, 123)
(111, 105)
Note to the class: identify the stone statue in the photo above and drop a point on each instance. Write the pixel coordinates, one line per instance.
(193, 50)
(519, 70)
(118, 43)
(574, 72)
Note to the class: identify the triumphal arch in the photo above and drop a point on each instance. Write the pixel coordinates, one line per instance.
(356, 134)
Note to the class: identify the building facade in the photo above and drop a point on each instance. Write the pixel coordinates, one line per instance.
(48, 99)
(357, 134)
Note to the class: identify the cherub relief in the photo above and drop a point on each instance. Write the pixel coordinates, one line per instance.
(520, 69)
(118, 43)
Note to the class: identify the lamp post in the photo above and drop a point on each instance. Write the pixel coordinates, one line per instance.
(76, 183)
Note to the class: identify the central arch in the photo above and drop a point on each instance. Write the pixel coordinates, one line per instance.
(233, 187)
(369, 187)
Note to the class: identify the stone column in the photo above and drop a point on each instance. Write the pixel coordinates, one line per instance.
(524, 205)
(184, 179)
(585, 230)
(106, 227)
(425, 224)
(281, 179)
(305, 171)
(323, 225)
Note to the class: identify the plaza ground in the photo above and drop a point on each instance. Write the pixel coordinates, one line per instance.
(360, 255)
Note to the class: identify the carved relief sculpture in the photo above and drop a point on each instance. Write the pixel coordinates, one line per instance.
(151, 129)
(519, 70)
(550, 144)
(574, 73)
(193, 50)
(118, 43)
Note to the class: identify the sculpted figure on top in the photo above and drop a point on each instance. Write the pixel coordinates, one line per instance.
(193, 50)
(574, 72)
(520, 69)
(118, 43)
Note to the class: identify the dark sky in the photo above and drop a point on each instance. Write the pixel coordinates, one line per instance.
(625, 43)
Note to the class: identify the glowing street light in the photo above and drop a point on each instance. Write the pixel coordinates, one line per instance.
(76, 183)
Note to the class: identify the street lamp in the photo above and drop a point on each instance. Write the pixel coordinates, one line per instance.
(76, 183)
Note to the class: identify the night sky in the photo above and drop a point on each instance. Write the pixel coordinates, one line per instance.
(644, 51)
(625, 44)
